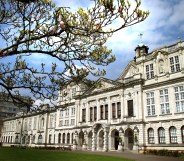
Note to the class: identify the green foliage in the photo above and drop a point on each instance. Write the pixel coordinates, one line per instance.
(71, 38)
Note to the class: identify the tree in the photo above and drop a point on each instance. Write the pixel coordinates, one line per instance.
(70, 38)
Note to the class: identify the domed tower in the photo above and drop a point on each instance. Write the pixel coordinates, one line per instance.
(141, 50)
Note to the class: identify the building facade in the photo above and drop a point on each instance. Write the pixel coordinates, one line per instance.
(143, 108)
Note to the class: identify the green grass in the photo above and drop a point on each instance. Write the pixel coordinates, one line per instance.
(17, 154)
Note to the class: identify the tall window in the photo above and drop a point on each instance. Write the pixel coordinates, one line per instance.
(174, 64)
(72, 121)
(51, 121)
(182, 134)
(119, 109)
(179, 97)
(68, 138)
(151, 136)
(106, 112)
(150, 103)
(63, 138)
(61, 113)
(101, 112)
(113, 110)
(149, 71)
(83, 115)
(130, 108)
(164, 101)
(161, 135)
(50, 138)
(73, 111)
(59, 138)
(91, 113)
(173, 134)
(95, 113)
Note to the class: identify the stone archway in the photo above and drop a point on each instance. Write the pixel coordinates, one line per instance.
(114, 139)
(81, 138)
(129, 139)
(100, 141)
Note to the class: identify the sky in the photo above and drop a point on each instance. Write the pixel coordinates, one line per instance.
(164, 26)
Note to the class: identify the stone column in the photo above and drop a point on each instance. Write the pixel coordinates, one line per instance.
(84, 146)
(70, 138)
(94, 140)
(136, 140)
(121, 142)
(105, 147)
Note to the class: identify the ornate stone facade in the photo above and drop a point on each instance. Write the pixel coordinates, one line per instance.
(143, 108)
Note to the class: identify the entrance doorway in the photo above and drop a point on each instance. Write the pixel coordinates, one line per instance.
(129, 139)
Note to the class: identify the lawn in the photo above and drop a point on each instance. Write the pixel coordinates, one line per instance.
(17, 154)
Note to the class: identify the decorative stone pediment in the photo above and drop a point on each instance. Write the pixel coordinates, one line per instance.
(129, 71)
(103, 84)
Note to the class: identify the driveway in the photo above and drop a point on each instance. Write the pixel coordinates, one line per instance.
(134, 156)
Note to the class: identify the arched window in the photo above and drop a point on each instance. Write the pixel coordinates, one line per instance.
(161, 135)
(40, 139)
(173, 134)
(68, 138)
(182, 134)
(59, 138)
(63, 138)
(151, 136)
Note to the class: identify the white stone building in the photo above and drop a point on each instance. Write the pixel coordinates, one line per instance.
(143, 108)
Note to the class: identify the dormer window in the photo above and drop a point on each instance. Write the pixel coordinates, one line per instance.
(149, 71)
(174, 64)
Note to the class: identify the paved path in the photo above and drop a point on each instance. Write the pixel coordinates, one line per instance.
(134, 156)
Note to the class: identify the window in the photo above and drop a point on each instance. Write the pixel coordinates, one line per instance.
(101, 112)
(173, 134)
(83, 115)
(68, 138)
(164, 101)
(182, 134)
(174, 64)
(40, 139)
(25, 124)
(59, 138)
(73, 111)
(161, 135)
(60, 123)
(95, 113)
(63, 138)
(113, 110)
(151, 136)
(91, 113)
(130, 108)
(106, 112)
(72, 121)
(150, 104)
(119, 109)
(67, 112)
(149, 71)
(61, 113)
(50, 138)
(179, 98)
(66, 122)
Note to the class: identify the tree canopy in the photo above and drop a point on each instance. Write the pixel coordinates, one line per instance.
(68, 38)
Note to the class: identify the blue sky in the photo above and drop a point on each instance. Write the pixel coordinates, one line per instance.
(163, 27)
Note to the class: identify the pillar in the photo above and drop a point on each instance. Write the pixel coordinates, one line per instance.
(94, 140)
(105, 147)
